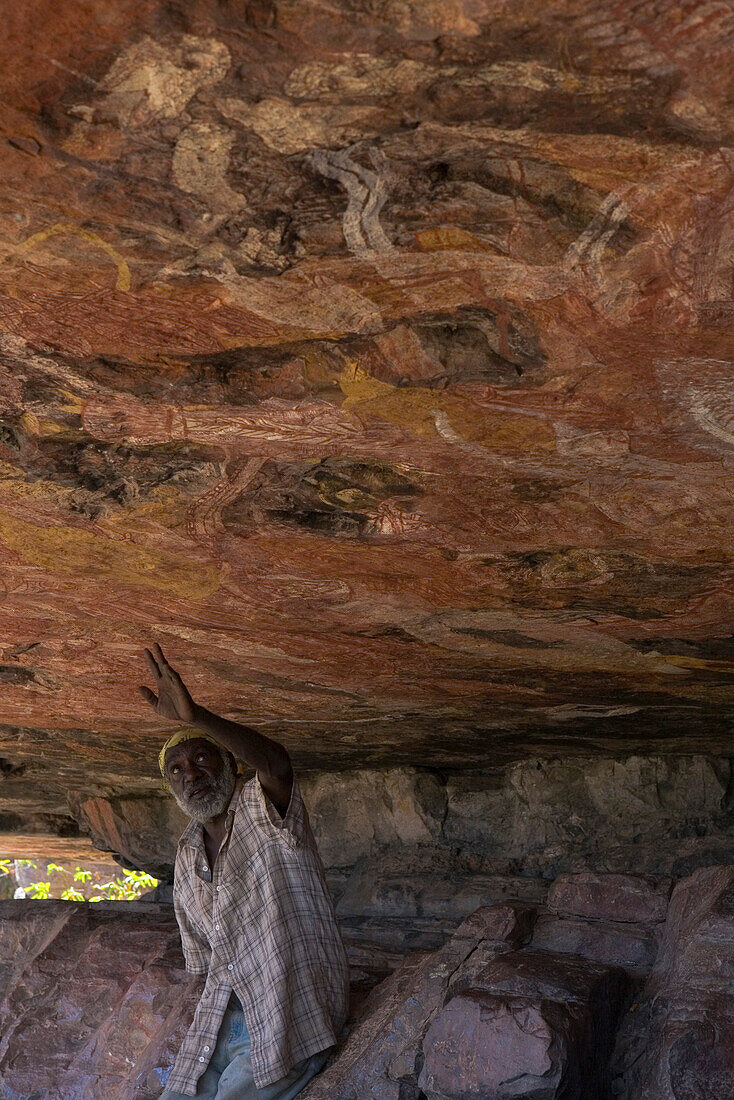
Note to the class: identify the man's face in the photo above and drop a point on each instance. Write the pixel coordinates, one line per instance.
(201, 777)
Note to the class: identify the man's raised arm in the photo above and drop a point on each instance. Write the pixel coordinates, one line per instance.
(173, 700)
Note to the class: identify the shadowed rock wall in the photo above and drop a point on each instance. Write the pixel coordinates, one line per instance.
(409, 842)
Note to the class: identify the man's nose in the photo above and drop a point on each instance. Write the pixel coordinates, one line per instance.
(190, 770)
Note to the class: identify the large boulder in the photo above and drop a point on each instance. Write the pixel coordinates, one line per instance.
(382, 1056)
(613, 918)
(96, 1000)
(678, 1042)
(532, 1024)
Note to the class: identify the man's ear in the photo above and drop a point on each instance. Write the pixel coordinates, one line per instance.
(233, 759)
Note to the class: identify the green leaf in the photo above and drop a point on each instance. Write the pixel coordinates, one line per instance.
(51, 867)
(80, 875)
(39, 890)
(135, 882)
(70, 894)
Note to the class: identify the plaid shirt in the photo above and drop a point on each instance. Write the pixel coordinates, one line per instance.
(264, 926)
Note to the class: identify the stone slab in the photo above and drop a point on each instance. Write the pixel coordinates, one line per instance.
(631, 946)
(382, 1056)
(612, 897)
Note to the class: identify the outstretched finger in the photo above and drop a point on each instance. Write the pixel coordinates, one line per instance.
(153, 663)
(167, 668)
(148, 695)
(160, 656)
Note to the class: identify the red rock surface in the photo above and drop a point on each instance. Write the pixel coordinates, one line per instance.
(41, 845)
(679, 1040)
(382, 1054)
(95, 1001)
(611, 897)
(375, 359)
(496, 1047)
(632, 946)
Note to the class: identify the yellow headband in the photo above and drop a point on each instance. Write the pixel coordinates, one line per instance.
(187, 735)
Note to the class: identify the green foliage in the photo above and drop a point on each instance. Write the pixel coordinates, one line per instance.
(70, 894)
(131, 885)
(39, 890)
(126, 887)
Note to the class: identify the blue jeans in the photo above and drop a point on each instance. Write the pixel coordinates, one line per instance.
(229, 1074)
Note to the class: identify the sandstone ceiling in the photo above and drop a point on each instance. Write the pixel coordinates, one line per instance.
(375, 358)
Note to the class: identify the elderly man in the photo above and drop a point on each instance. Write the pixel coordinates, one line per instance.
(253, 909)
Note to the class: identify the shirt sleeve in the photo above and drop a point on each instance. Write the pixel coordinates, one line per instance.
(293, 828)
(196, 950)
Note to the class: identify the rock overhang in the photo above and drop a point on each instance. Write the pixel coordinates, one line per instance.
(378, 366)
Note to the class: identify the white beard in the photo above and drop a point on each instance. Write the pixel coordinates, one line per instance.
(214, 803)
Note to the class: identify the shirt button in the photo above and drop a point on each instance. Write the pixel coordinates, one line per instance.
(217, 927)
(206, 1048)
(218, 888)
(202, 1059)
(230, 966)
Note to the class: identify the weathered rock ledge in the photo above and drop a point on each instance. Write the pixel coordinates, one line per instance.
(417, 844)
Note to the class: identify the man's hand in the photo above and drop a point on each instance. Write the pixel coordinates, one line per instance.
(173, 699)
(269, 758)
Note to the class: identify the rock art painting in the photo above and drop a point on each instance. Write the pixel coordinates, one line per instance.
(376, 360)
